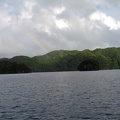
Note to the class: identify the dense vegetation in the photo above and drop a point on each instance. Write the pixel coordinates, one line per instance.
(63, 60)
(7, 67)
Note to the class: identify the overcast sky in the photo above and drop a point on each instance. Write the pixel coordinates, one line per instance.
(35, 27)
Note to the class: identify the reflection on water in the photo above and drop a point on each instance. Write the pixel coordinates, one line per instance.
(88, 95)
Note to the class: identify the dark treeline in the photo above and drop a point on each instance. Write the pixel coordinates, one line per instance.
(63, 60)
(7, 67)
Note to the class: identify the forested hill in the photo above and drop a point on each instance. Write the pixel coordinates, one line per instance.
(64, 60)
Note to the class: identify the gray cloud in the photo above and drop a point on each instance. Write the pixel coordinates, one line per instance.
(35, 27)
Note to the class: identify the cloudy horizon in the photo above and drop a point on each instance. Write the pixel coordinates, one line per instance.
(36, 27)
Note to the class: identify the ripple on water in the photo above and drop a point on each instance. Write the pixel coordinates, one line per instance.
(60, 96)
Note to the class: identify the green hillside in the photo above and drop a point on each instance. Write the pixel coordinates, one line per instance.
(64, 60)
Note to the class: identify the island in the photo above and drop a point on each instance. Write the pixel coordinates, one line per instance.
(63, 60)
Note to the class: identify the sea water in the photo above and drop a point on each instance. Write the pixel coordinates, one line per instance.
(91, 95)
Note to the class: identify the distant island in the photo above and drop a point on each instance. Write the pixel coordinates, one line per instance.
(63, 60)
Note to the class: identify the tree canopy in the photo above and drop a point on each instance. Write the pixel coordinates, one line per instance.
(63, 60)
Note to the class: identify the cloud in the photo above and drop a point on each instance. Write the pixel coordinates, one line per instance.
(26, 12)
(35, 27)
(58, 10)
(108, 21)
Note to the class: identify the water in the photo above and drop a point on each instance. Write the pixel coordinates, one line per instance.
(91, 95)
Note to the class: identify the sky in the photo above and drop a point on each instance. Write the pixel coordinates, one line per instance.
(36, 27)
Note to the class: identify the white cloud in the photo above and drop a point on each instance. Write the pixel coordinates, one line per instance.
(58, 10)
(26, 12)
(61, 24)
(108, 21)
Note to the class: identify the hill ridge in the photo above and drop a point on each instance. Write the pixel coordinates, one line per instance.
(69, 60)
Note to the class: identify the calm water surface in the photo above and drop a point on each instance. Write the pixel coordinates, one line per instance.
(61, 96)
